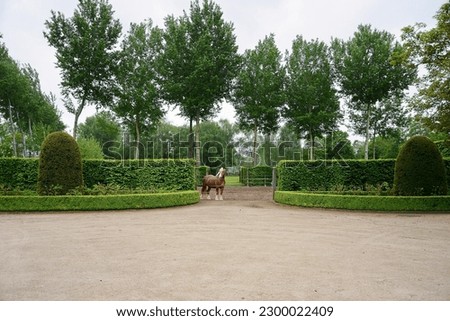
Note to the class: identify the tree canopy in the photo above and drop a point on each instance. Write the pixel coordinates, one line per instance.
(86, 53)
(431, 49)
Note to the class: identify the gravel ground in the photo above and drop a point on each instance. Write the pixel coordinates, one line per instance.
(243, 248)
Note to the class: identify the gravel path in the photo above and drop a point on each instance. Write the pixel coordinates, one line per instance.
(243, 248)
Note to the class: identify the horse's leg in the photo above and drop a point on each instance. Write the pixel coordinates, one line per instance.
(203, 190)
(221, 194)
(217, 193)
(207, 192)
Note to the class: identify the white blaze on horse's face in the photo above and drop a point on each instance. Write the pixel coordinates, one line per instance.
(220, 174)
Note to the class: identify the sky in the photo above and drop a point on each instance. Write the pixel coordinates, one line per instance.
(22, 26)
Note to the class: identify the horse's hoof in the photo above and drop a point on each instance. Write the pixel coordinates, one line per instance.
(208, 198)
(217, 198)
(221, 199)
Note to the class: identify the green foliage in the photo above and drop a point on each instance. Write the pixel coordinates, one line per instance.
(419, 169)
(86, 53)
(60, 166)
(256, 176)
(19, 173)
(147, 175)
(105, 129)
(200, 172)
(369, 71)
(90, 148)
(258, 94)
(430, 49)
(95, 203)
(139, 103)
(199, 61)
(367, 202)
(331, 175)
(312, 102)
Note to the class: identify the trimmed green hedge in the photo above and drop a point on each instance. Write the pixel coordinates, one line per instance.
(367, 202)
(19, 173)
(256, 176)
(160, 174)
(200, 172)
(98, 202)
(330, 175)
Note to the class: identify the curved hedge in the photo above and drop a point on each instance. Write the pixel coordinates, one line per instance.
(95, 203)
(364, 202)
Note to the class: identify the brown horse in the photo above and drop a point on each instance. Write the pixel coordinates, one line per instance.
(218, 182)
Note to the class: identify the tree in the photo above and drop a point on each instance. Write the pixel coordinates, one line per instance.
(388, 118)
(312, 103)
(85, 53)
(370, 67)
(138, 102)
(258, 94)
(199, 63)
(430, 49)
(23, 105)
(103, 128)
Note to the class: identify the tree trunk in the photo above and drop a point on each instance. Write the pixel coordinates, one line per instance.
(138, 139)
(13, 130)
(255, 137)
(366, 145)
(311, 146)
(197, 140)
(77, 114)
(190, 140)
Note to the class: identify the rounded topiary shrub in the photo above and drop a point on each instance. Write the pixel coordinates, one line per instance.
(419, 169)
(60, 166)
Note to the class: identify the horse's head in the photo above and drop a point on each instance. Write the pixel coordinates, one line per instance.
(221, 173)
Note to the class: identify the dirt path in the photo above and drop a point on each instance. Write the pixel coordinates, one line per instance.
(244, 248)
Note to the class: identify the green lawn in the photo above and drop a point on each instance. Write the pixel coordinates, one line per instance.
(232, 181)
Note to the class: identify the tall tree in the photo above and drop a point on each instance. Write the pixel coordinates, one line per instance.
(259, 94)
(86, 54)
(199, 62)
(139, 103)
(312, 103)
(369, 69)
(23, 104)
(431, 49)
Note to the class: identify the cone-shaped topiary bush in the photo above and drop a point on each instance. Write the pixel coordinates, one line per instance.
(419, 169)
(60, 166)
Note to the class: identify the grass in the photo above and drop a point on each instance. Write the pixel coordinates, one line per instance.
(232, 181)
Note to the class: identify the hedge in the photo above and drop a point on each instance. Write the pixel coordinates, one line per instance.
(99, 202)
(162, 174)
(200, 172)
(256, 176)
(331, 175)
(366, 202)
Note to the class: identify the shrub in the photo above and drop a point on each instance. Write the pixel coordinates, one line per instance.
(365, 202)
(60, 167)
(419, 169)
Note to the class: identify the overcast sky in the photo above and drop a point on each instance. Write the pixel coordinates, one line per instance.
(22, 25)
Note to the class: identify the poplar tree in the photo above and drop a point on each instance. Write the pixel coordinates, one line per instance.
(369, 69)
(85, 54)
(312, 105)
(259, 90)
